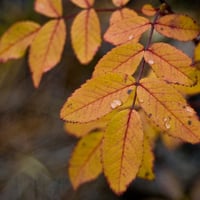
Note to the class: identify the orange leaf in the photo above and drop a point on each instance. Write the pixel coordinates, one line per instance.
(179, 27)
(197, 55)
(170, 64)
(126, 30)
(86, 35)
(106, 92)
(50, 8)
(83, 3)
(46, 49)
(148, 10)
(122, 14)
(85, 163)
(16, 39)
(168, 110)
(120, 3)
(122, 149)
(124, 58)
(146, 168)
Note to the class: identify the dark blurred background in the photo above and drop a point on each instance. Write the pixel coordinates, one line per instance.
(34, 148)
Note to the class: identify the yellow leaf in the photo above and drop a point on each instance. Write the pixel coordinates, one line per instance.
(50, 8)
(122, 14)
(97, 97)
(124, 59)
(86, 35)
(83, 3)
(122, 149)
(197, 55)
(171, 142)
(46, 49)
(179, 27)
(170, 64)
(168, 110)
(126, 29)
(148, 10)
(146, 169)
(120, 3)
(85, 163)
(16, 39)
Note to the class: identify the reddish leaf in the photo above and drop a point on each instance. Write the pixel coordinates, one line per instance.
(148, 10)
(120, 3)
(170, 64)
(122, 14)
(126, 30)
(85, 163)
(46, 49)
(86, 35)
(168, 110)
(83, 3)
(50, 8)
(124, 58)
(122, 149)
(106, 92)
(16, 39)
(179, 27)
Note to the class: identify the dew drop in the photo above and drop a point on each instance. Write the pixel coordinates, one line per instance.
(151, 62)
(130, 37)
(115, 103)
(141, 100)
(189, 109)
(167, 125)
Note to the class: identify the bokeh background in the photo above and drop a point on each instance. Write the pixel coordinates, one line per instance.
(35, 148)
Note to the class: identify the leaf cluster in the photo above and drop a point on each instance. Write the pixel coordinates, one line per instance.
(119, 112)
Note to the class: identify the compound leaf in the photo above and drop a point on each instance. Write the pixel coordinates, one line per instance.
(170, 64)
(124, 59)
(86, 35)
(120, 3)
(85, 163)
(168, 109)
(126, 29)
(179, 27)
(46, 49)
(50, 8)
(83, 3)
(122, 149)
(106, 92)
(16, 39)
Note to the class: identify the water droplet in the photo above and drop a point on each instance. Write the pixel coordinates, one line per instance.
(130, 37)
(166, 119)
(141, 100)
(151, 62)
(189, 109)
(115, 103)
(167, 125)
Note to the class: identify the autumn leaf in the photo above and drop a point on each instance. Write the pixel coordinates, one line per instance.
(16, 39)
(50, 8)
(148, 10)
(86, 35)
(179, 27)
(121, 14)
(120, 3)
(126, 30)
(83, 3)
(124, 59)
(46, 49)
(197, 56)
(171, 142)
(168, 110)
(170, 64)
(85, 163)
(122, 149)
(146, 168)
(97, 97)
